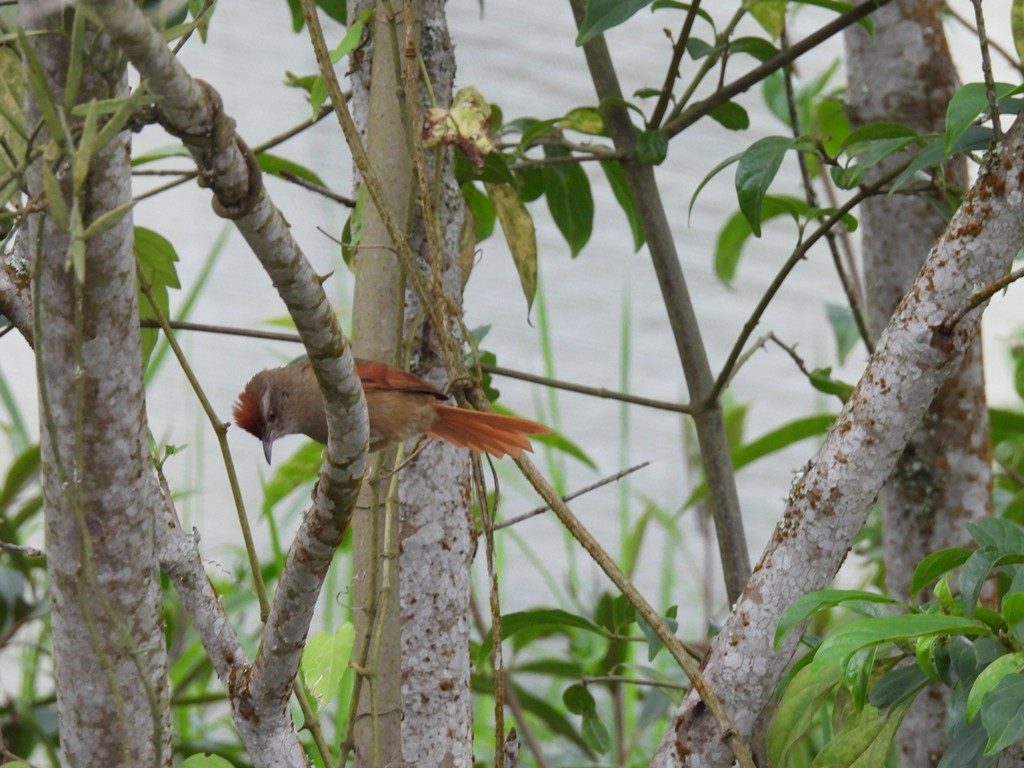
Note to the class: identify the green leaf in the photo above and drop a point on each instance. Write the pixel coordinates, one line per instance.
(844, 328)
(934, 565)
(602, 15)
(973, 575)
(578, 699)
(770, 14)
(55, 201)
(36, 76)
(595, 733)
(517, 225)
(482, 210)
(206, 761)
(731, 116)
(325, 661)
(711, 174)
(317, 94)
(793, 718)
(821, 379)
(837, 649)
(758, 47)
(108, 220)
(897, 686)
(586, 120)
(352, 37)
(967, 103)
(279, 166)
(156, 258)
(737, 230)
(654, 643)
(754, 174)
(651, 147)
(863, 740)
(1002, 714)
(807, 605)
(539, 619)
(23, 471)
(990, 677)
(567, 191)
(617, 181)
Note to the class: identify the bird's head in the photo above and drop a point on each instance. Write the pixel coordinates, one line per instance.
(258, 411)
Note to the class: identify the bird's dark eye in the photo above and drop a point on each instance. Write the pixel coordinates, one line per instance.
(271, 415)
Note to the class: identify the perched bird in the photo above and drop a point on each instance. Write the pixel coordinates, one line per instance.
(287, 401)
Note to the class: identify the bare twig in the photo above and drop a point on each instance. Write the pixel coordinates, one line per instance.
(672, 73)
(981, 297)
(569, 497)
(986, 68)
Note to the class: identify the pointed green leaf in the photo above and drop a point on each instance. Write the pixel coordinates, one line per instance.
(567, 191)
(1002, 714)
(602, 15)
(934, 565)
(617, 181)
(806, 606)
(967, 103)
(990, 677)
(737, 230)
(754, 174)
(352, 37)
(651, 147)
(325, 661)
(55, 202)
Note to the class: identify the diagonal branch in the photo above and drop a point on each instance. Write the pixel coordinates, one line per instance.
(830, 502)
(707, 411)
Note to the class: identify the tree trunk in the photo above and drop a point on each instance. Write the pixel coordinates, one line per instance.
(423, 679)
(106, 601)
(903, 73)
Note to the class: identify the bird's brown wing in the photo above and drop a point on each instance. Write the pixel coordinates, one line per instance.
(378, 377)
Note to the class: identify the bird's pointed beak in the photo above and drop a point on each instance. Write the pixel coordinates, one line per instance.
(268, 444)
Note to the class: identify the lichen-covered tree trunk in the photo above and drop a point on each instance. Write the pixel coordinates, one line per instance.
(903, 73)
(106, 605)
(427, 672)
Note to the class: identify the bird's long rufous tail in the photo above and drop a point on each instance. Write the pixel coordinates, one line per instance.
(494, 433)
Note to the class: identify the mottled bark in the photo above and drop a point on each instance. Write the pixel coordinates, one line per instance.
(437, 548)
(423, 681)
(903, 73)
(99, 489)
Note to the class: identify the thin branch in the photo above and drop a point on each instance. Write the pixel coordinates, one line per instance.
(672, 73)
(798, 255)
(323, 191)
(986, 68)
(270, 143)
(497, 370)
(1011, 59)
(220, 429)
(812, 201)
(756, 75)
(569, 497)
(682, 316)
(981, 297)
